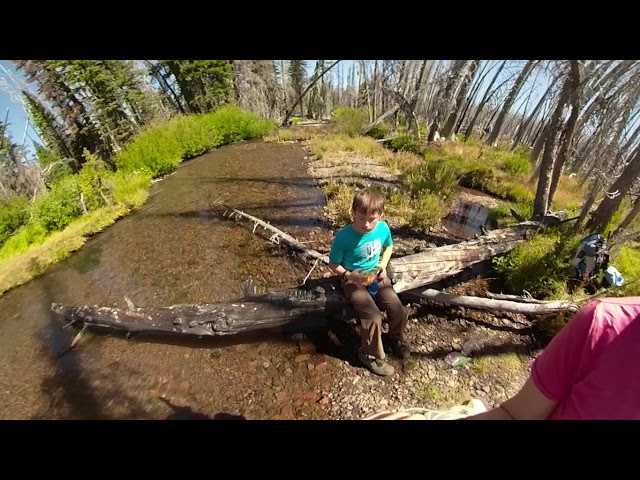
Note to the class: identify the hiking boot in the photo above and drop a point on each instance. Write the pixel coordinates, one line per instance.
(377, 366)
(400, 349)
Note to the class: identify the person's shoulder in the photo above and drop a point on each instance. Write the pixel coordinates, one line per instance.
(344, 232)
(383, 227)
(615, 311)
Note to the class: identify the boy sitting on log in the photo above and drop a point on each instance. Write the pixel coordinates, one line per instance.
(357, 255)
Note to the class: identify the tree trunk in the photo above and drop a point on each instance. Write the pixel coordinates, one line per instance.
(467, 77)
(609, 81)
(617, 191)
(596, 187)
(541, 202)
(567, 134)
(511, 98)
(531, 120)
(485, 99)
(629, 218)
(475, 88)
(255, 312)
(448, 97)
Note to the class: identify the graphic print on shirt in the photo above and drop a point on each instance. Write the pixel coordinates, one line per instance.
(370, 249)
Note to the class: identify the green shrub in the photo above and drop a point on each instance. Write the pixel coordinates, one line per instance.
(60, 206)
(26, 237)
(159, 149)
(539, 266)
(351, 121)
(13, 216)
(516, 164)
(432, 176)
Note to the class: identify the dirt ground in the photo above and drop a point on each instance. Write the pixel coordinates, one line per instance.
(501, 348)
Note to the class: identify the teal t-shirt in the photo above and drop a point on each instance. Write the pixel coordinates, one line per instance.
(355, 250)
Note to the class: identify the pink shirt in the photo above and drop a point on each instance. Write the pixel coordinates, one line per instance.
(592, 366)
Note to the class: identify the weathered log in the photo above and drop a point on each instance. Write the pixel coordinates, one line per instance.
(316, 299)
(433, 264)
(514, 298)
(501, 305)
(256, 311)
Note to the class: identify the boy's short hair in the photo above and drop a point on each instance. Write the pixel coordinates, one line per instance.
(368, 201)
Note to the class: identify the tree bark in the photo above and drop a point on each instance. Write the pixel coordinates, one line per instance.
(434, 264)
(255, 312)
(567, 134)
(541, 202)
(467, 77)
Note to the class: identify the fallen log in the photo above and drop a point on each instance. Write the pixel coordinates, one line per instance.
(501, 305)
(256, 311)
(514, 298)
(433, 264)
(420, 269)
(315, 300)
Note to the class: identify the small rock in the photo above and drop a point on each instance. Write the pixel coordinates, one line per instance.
(486, 388)
(321, 367)
(324, 400)
(266, 364)
(310, 396)
(286, 412)
(306, 346)
(288, 371)
(310, 366)
(302, 358)
(280, 396)
(384, 402)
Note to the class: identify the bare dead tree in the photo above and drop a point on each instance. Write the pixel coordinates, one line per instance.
(467, 75)
(311, 84)
(541, 202)
(511, 98)
(487, 95)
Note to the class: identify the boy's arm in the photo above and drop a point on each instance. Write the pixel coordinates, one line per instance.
(335, 258)
(386, 256)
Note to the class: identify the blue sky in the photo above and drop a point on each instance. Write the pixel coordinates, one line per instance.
(17, 115)
(18, 118)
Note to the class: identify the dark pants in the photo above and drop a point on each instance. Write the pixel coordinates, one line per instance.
(371, 318)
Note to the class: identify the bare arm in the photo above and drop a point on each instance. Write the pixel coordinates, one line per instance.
(386, 256)
(528, 404)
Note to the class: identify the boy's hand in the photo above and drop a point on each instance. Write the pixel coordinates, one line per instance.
(355, 277)
(382, 273)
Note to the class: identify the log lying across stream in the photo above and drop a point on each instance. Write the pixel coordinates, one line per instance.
(314, 301)
(256, 311)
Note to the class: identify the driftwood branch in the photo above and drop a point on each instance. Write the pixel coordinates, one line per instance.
(514, 298)
(501, 305)
(278, 235)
